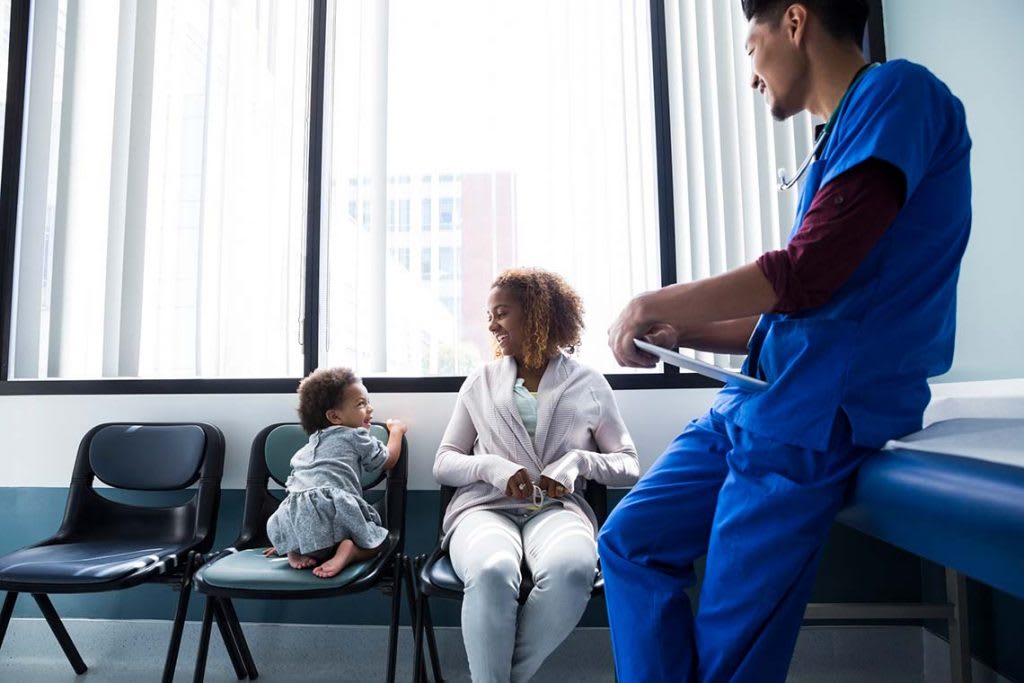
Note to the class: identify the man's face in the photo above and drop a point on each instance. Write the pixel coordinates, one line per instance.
(778, 66)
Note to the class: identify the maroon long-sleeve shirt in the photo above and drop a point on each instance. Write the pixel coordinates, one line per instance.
(846, 219)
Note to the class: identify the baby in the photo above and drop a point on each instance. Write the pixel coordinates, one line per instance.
(324, 518)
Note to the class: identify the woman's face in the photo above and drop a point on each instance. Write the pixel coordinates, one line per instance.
(506, 320)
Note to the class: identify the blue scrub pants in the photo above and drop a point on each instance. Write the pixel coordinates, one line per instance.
(761, 511)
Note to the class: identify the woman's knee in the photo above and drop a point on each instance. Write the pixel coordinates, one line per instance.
(494, 574)
(572, 576)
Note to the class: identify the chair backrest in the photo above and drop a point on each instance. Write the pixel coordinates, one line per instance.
(270, 458)
(595, 494)
(147, 457)
(284, 440)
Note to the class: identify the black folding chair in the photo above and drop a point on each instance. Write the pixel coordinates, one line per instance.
(242, 571)
(103, 545)
(437, 578)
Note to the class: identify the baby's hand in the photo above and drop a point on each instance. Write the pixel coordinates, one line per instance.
(396, 426)
(270, 552)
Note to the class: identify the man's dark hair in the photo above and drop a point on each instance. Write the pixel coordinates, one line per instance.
(322, 390)
(843, 19)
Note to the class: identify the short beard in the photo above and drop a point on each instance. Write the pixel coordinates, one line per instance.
(779, 113)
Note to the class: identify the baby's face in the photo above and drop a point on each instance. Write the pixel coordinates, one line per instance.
(354, 409)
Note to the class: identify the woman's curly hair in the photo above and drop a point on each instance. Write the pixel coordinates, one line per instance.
(552, 309)
(320, 391)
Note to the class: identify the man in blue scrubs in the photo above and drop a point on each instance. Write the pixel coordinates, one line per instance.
(846, 324)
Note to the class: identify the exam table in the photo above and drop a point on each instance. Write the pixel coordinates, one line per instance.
(953, 494)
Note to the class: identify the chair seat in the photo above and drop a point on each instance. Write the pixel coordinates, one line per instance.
(441, 574)
(250, 570)
(441, 578)
(85, 562)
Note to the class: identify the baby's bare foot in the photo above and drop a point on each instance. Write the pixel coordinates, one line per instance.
(298, 561)
(331, 567)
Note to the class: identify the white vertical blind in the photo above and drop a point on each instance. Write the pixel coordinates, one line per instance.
(725, 146)
(162, 209)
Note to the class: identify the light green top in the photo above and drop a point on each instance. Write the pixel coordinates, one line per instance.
(526, 401)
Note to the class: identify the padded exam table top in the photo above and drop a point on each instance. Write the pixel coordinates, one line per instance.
(952, 493)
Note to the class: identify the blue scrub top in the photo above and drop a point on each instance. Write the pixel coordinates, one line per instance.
(871, 348)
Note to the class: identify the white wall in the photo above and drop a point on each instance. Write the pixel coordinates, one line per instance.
(975, 48)
(41, 433)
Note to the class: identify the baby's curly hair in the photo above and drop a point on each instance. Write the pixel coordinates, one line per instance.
(553, 312)
(320, 391)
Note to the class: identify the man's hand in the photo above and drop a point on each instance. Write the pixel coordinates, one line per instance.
(633, 322)
(519, 485)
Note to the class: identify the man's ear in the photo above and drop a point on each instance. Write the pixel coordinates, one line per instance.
(794, 23)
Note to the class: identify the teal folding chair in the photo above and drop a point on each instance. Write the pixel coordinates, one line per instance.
(243, 572)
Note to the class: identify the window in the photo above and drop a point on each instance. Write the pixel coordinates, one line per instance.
(425, 258)
(447, 263)
(172, 242)
(403, 215)
(446, 217)
(425, 214)
(163, 213)
(403, 257)
(541, 193)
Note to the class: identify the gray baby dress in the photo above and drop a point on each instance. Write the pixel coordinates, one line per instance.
(325, 505)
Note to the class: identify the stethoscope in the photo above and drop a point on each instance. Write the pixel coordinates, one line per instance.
(788, 183)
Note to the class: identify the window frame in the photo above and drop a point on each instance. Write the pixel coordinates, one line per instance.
(10, 182)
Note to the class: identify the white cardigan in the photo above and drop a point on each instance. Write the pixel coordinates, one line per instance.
(580, 435)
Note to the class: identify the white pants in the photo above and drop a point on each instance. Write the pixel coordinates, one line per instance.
(503, 641)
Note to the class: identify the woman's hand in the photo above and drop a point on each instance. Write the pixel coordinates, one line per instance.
(519, 485)
(552, 487)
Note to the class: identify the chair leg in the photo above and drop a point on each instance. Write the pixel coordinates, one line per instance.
(396, 605)
(204, 642)
(5, 614)
(424, 626)
(428, 623)
(228, 636)
(419, 667)
(243, 646)
(57, 626)
(412, 595)
(428, 626)
(185, 592)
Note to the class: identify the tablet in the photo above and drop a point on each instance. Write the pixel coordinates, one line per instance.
(706, 369)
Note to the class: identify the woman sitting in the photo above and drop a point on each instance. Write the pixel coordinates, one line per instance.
(528, 429)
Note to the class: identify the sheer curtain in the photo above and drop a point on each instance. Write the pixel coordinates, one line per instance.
(469, 136)
(725, 146)
(163, 190)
